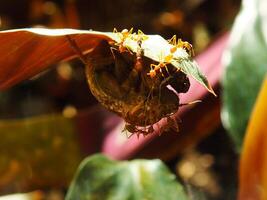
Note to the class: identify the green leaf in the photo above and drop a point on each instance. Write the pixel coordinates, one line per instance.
(36, 143)
(191, 69)
(99, 178)
(245, 62)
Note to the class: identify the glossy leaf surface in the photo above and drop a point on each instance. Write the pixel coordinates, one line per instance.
(101, 178)
(245, 62)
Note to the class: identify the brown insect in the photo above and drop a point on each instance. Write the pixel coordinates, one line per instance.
(138, 131)
(119, 81)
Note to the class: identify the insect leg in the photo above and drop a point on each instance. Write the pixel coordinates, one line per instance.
(173, 40)
(77, 50)
(190, 103)
(172, 123)
(112, 49)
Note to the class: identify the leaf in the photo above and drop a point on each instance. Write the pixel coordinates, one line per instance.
(253, 163)
(191, 68)
(101, 178)
(245, 62)
(30, 148)
(26, 52)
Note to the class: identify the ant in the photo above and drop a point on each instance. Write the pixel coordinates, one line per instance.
(163, 62)
(135, 130)
(139, 38)
(123, 35)
(167, 59)
(181, 44)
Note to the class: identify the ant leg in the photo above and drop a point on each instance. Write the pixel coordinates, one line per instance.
(190, 103)
(149, 96)
(173, 124)
(161, 72)
(77, 50)
(145, 131)
(153, 66)
(115, 30)
(152, 73)
(112, 49)
(166, 68)
(151, 129)
(173, 40)
(125, 131)
(163, 83)
(160, 87)
(129, 128)
(128, 50)
(130, 135)
(130, 31)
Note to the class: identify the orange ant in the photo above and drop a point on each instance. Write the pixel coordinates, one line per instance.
(181, 44)
(162, 64)
(167, 59)
(139, 38)
(123, 35)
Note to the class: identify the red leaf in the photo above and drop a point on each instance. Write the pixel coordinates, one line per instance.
(26, 52)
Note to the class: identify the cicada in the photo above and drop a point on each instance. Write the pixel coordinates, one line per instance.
(120, 82)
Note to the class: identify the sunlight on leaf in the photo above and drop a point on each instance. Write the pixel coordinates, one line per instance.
(26, 52)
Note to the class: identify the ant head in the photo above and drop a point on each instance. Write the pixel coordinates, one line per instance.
(126, 31)
(152, 73)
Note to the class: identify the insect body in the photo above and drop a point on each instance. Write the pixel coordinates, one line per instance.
(140, 36)
(140, 51)
(136, 130)
(181, 44)
(164, 61)
(123, 35)
(120, 82)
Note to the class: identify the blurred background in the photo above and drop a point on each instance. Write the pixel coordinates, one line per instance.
(48, 123)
